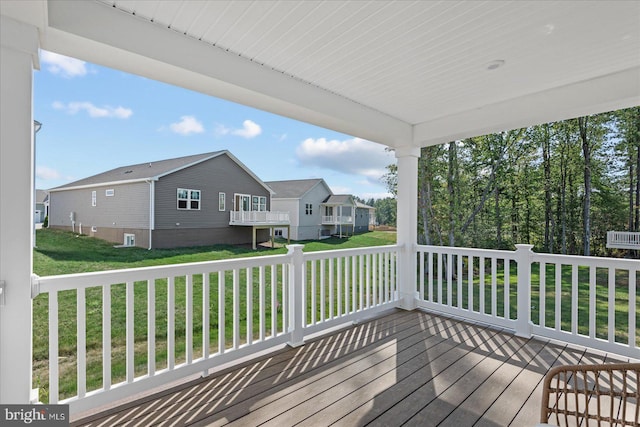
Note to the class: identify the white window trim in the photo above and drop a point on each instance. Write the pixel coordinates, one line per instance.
(109, 192)
(188, 199)
(94, 198)
(222, 201)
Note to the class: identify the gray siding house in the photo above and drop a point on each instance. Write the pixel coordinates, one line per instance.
(314, 211)
(195, 200)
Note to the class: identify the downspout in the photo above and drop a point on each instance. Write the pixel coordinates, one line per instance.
(152, 215)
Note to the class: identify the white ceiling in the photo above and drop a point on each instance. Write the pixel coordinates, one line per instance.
(400, 73)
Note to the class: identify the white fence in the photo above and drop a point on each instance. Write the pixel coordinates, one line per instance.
(126, 331)
(588, 301)
(258, 217)
(623, 240)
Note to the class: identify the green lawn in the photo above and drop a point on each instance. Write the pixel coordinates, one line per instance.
(65, 253)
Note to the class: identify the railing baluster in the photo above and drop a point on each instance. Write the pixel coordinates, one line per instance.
(439, 267)
(236, 308)
(130, 321)
(592, 302)
(354, 285)
(314, 307)
(53, 348)
(339, 288)
(261, 302)
(347, 285)
(322, 292)
(249, 278)
(612, 305)
(285, 297)
(574, 299)
(494, 286)
(221, 310)
(206, 315)
(360, 259)
(449, 261)
(470, 277)
(421, 274)
(507, 288)
(542, 303)
(368, 280)
(331, 290)
(558, 295)
(274, 301)
(482, 285)
(171, 323)
(632, 309)
(430, 268)
(106, 337)
(459, 278)
(189, 318)
(81, 336)
(151, 327)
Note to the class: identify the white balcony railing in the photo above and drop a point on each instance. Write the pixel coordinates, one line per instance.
(623, 240)
(587, 301)
(258, 217)
(337, 219)
(137, 329)
(178, 320)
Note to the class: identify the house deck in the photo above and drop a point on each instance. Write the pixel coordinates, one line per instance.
(404, 368)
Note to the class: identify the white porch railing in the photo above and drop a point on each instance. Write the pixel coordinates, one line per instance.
(137, 329)
(258, 217)
(588, 301)
(623, 240)
(336, 219)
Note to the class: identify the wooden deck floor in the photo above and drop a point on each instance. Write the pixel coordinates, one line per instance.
(405, 368)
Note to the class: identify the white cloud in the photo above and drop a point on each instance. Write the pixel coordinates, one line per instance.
(187, 125)
(47, 174)
(93, 110)
(352, 156)
(63, 65)
(250, 129)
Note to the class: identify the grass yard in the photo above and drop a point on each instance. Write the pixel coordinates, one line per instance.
(61, 252)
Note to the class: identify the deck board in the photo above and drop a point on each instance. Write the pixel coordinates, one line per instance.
(410, 368)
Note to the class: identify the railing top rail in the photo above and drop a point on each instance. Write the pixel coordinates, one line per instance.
(102, 278)
(627, 264)
(467, 251)
(312, 256)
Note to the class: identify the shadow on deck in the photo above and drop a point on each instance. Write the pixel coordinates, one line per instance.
(404, 368)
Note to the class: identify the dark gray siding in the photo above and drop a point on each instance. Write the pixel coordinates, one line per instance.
(174, 227)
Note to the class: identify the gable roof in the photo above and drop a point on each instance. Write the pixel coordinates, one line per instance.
(339, 199)
(363, 206)
(295, 188)
(151, 171)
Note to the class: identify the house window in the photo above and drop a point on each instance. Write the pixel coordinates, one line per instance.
(221, 201)
(308, 209)
(259, 203)
(188, 199)
(94, 198)
(129, 239)
(278, 232)
(109, 193)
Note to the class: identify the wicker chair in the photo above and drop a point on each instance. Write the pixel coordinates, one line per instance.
(592, 395)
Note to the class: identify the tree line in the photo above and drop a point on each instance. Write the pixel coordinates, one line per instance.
(559, 186)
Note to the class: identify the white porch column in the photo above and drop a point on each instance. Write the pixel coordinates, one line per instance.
(18, 57)
(407, 224)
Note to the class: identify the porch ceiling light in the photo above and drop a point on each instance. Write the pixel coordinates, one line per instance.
(495, 64)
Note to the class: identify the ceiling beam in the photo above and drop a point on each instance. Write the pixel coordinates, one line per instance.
(606, 93)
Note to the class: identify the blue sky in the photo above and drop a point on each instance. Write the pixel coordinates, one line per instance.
(95, 119)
